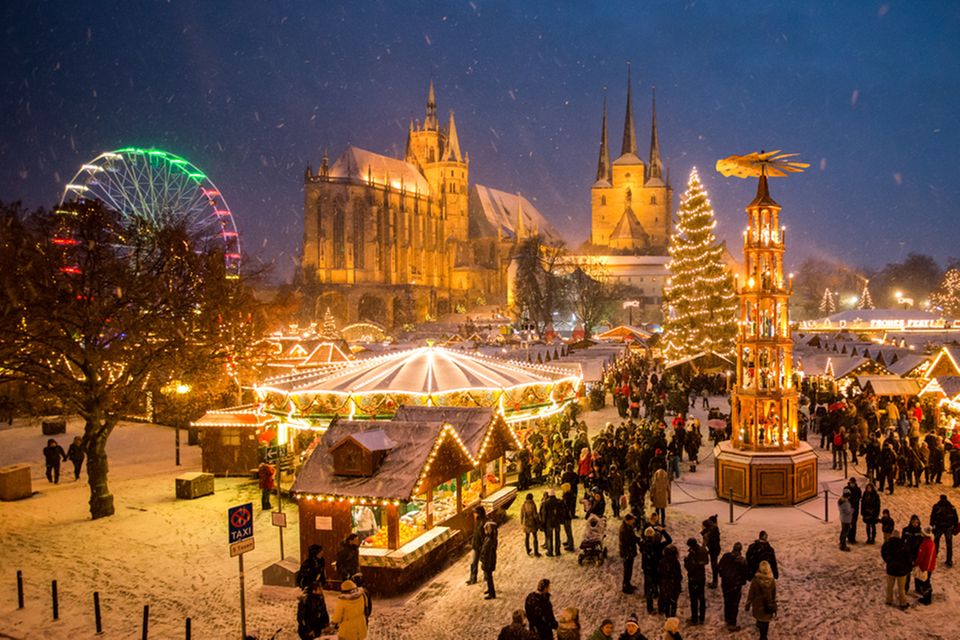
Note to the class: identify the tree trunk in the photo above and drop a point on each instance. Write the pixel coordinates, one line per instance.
(101, 500)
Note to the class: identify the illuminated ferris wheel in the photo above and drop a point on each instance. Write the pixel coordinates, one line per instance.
(157, 188)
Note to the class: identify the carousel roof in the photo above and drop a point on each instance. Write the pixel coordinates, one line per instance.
(425, 370)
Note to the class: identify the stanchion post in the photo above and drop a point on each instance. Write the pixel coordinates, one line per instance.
(187, 630)
(826, 505)
(844, 452)
(56, 603)
(243, 603)
(146, 621)
(731, 505)
(19, 589)
(96, 612)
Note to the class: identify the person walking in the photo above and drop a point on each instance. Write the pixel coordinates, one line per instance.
(923, 567)
(870, 511)
(476, 541)
(855, 495)
(943, 519)
(75, 455)
(53, 455)
(670, 581)
(488, 557)
(733, 575)
(530, 520)
(762, 598)
(896, 558)
(265, 475)
(348, 613)
(629, 543)
(711, 542)
(845, 508)
(660, 494)
(695, 563)
(312, 616)
(761, 551)
(539, 610)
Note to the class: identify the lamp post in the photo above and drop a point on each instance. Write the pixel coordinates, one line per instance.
(179, 389)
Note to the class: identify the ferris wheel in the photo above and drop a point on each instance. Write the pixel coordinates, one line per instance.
(157, 188)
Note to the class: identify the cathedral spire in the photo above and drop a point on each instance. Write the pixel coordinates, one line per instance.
(654, 166)
(430, 122)
(603, 163)
(629, 131)
(452, 150)
(408, 153)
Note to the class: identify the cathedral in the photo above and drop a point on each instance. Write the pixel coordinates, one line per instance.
(398, 241)
(630, 201)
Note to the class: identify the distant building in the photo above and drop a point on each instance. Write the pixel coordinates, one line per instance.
(398, 241)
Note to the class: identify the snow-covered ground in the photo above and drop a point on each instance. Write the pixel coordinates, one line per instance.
(173, 555)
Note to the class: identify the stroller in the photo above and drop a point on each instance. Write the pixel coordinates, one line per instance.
(591, 547)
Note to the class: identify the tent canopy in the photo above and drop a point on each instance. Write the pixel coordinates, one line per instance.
(703, 362)
(889, 385)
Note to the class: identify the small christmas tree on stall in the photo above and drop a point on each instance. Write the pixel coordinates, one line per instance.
(329, 332)
(947, 295)
(866, 301)
(828, 305)
(699, 303)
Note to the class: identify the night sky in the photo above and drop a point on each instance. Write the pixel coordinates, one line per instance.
(252, 92)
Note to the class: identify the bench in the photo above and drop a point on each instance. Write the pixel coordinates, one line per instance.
(194, 485)
(15, 482)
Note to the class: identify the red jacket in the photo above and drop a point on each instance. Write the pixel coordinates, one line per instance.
(927, 556)
(265, 473)
(584, 465)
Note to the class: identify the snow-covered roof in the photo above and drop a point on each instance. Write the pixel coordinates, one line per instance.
(629, 227)
(374, 440)
(359, 165)
(624, 332)
(904, 364)
(948, 386)
(240, 416)
(471, 423)
(492, 209)
(889, 385)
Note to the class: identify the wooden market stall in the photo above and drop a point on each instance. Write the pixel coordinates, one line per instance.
(397, 484)
(230, 439)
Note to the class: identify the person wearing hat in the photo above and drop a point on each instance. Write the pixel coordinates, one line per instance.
(671, 629)
(348, 613)
(733, 575)
(762, 598)
(923, 567)
(695, 563)
(53, 454)
(845, 507)
(629, 543)
(632, 629)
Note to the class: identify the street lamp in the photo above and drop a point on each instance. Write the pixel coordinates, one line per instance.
(178, 389)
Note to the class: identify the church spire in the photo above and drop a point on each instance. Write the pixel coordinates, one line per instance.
(629, 131)
(603, 163)
(654, 166)
(452, 150)
(408, 153)
(430, 122)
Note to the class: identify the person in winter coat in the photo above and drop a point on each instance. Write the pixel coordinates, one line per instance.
(762, 598)
(887, 469)
(912, 535)
(711, 542)
(476, 541)
(695, 563)
(539, 611)
(348, 613)
(733, 575)
(670, 581)
(660, 493)
(896, 557)
(761, 551)
(629, 543)
(566, 512)
(568, 624)
(517, 629)
(530, 520)
(855, 495)
(265, 475)
(870, 511)
(312, 616)
(943, 519)
(845, 507)
(551, 519)
(923, 567)
(632, 629)
(655, 540)
(604, 631)
(671, 629)
(348, 557)
(584, 465)
(488, 557)
(75, 455)
(53, 455)
(615, 489)
(313, 569)
(886, 524)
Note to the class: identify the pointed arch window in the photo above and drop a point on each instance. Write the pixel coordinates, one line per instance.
(338, 233)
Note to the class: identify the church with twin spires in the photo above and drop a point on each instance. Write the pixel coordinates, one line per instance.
(631, 201)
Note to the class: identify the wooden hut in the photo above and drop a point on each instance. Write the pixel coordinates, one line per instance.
(230, 439)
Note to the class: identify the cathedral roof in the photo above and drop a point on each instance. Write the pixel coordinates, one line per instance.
(628, 158)
(492, 209)
(630, 228)
(358, 165)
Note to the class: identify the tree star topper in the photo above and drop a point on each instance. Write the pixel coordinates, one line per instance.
(753, 165)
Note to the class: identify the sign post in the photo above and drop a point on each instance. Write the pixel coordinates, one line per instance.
(240, 523)
(279, 517)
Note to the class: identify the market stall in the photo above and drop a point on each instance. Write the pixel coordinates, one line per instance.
(231, 439)
(398, 485)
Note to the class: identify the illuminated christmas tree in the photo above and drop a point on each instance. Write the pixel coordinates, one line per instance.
(329, 332)
(947, 295)
(865, 302)
(699, 304)
(828, 305)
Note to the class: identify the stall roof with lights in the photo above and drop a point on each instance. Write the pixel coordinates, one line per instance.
(241, 416)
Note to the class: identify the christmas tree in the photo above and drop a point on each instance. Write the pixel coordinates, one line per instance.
(865, 302)
(828, 305)
(699, 303)
(329, 332)
(947, 296)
